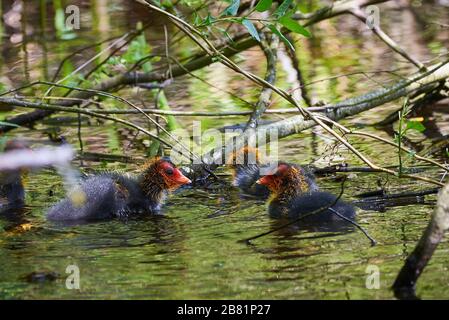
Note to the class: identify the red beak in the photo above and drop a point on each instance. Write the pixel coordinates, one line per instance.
(263, 181)
(180, 178)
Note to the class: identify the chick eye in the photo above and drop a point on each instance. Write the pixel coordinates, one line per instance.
(169, 171)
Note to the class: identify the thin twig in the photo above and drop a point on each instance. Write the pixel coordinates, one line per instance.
(44, 106)
(356, 12)
(373, 242)
(270, 51)
(123, 100)
(295, 63)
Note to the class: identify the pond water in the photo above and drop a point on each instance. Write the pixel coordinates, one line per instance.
(194, 250)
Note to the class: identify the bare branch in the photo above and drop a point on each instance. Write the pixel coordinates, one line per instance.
(270, 51)
(385, 38)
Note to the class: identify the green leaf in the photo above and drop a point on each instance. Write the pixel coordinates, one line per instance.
(281, 36)
(294, 26)
(415, 125)
(157, 3)
(2, 123)
(251, 29)
(264, 5)
(282, 9)
(232, 9)
(196, 19)
(208, 20)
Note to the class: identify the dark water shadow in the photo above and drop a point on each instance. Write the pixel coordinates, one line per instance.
(319, 230)
(120, 233)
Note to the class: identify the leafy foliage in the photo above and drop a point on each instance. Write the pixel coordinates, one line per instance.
(404, 127)
(294, 26)
(137, 50)
(282, 15)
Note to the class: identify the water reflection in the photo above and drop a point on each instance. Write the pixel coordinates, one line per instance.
(194, 251)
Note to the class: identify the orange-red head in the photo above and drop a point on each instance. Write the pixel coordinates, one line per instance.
(285, 178)
(172, 176)
(164, 174)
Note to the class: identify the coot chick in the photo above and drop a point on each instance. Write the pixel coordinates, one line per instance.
(113, 195)
(247, 167)
(292, 197)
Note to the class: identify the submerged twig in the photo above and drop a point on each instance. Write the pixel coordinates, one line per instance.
(373, 242)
